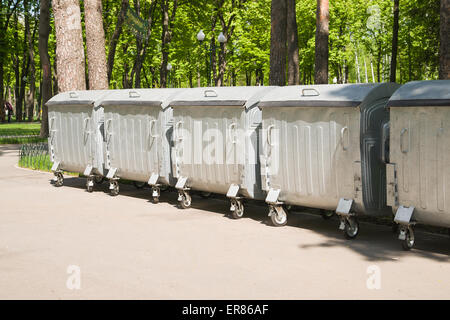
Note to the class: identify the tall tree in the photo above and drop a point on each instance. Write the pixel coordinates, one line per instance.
(115, 37)
(394, 42)
(278, 13)
(322, 32)
(292, 44)
(167, 25)
(69, 45)
(30, 36)
(444, 51)
(46, 87)
(95, 45)
(7, 9)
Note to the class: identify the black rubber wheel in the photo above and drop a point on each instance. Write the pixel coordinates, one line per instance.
(408, 243)
(99, 179)
(185, 203)
(155, 199)
(205, 194)
(90, 189)
(326, 214)
(351, 229)
(115, 191)
(59, 180)
(278, 221)
(139, 184)
(238, 212)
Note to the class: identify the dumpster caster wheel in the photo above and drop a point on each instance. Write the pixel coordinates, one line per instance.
(156, 191)
(99, 179)
(90, 189)
(205, 194)
(278, 216)
(59, 179)
(406, 235)
(114, 188)
(237, 209)
(351, 228)
(90, 184)
(184, 200)
(138, 184)
(326, 214)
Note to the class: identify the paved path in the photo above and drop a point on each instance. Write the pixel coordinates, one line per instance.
(127, 247)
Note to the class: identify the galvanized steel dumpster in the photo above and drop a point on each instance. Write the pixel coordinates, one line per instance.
(216, 143)
(76, 135)
(323, 148)
(138, 129)
(418, 175)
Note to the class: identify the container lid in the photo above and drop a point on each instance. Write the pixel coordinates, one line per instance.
(81, 97)
(322, 95)
(155, 97)
(431, 93)
(222, 96)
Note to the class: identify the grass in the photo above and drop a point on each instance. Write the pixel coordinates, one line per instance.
(20, 132)
(40, 162)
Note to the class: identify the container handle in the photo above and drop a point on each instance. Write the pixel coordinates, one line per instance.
(73, 94)
(402, 147)
(177, 128)
(133, 94)
(385, 143)
(151, 125)
(313, 94)
(107, 132)
(343, 130)
(269, 135)
(213, 93)
(232, 126)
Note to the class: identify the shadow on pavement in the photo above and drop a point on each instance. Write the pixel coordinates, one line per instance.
(375, 242)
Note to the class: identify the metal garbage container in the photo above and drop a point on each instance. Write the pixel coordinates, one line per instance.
(216, 143)
(323, 148)
(138, 129)
(418, 173)
(76, 135)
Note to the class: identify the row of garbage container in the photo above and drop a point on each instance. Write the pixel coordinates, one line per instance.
(374, 149)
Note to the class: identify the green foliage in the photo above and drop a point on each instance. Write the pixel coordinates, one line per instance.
(358, 28)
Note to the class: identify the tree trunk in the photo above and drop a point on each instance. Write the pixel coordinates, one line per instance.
(444, 51)
(115, 37)
(322, 31)
(32, 79)
(278, 37)
(69, 45)
(394, 42)
(44, 32)
(292, 44)
(95, 45)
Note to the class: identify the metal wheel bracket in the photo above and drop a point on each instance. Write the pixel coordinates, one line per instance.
(344, 208)
(403, 215)
(153, 180)
(276, 209)
(272, 197)
(88, 171)
(112, 183)
(55, 167)
(90, 181)
(183, 194)
(181, 184)
(156, 192)
(111, 174)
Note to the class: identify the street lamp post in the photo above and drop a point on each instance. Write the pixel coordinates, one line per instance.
(200, 38)
(222, 39)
